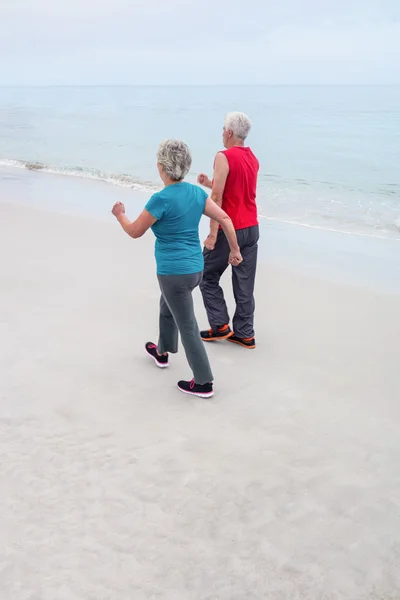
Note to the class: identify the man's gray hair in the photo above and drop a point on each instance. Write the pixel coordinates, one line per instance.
(175, 158)
(239, 124)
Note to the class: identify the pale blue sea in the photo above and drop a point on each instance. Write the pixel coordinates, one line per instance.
(329, 186)
(329, 155)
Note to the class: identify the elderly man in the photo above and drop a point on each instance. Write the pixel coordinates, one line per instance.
(234, 189)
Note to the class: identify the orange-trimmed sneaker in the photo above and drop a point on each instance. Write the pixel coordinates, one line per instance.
(212, 335)
(249, 343)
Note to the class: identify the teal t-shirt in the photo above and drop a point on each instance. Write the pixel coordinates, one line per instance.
(178, 209)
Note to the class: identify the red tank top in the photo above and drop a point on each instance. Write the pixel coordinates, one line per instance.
(239, 198)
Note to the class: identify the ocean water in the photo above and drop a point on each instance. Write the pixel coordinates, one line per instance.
(328, 155)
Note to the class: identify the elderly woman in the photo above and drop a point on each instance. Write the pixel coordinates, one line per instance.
(174, 215)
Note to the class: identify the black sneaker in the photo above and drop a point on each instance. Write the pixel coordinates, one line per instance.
(195, 389)
(160, 359)
(212, 335)
(249, 343)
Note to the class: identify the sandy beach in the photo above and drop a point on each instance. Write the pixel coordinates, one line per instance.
(285, 486)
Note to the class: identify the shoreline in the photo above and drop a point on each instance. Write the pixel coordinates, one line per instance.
(331, 230)
(146, 188)
(333, 256)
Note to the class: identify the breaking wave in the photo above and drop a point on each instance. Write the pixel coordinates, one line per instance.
(118, 179)
(338, 222)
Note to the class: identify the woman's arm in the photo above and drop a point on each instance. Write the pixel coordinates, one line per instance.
(214, 212)
(138, 227)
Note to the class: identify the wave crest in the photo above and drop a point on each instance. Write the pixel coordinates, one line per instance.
(118, 179)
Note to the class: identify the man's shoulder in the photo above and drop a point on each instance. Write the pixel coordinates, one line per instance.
(239, 153)
(251, 152)
(254, 157)
(221, 159)
(237, 150)
(234, 153)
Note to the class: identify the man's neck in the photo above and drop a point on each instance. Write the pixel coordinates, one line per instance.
(236, 144)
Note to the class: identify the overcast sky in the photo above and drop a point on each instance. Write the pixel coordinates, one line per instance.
(211, 41)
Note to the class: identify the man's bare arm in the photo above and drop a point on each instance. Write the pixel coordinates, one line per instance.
(204, 180)
(221, 171)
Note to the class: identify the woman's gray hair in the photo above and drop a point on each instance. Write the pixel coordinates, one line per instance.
(175, 158)
(239, 124)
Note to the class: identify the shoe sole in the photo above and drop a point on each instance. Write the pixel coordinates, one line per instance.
(198, 395)
(241, 344)
(159, 365)
(220, 337)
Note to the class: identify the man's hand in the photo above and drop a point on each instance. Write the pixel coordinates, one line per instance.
(202, 179)
(118, 209)
(235, 258)
(210, 242)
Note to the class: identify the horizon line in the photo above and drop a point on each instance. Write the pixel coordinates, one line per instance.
(130, 85)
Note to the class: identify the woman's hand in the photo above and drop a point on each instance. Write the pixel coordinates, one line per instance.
(118, 209)
(235, 258)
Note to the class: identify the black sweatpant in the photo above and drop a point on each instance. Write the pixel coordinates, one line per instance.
(243, 280)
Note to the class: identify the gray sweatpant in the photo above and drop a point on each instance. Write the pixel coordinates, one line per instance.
(177, 314)
(243, 280)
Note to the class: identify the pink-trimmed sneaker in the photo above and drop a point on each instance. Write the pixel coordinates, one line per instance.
(161, 360)
(195, 389)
